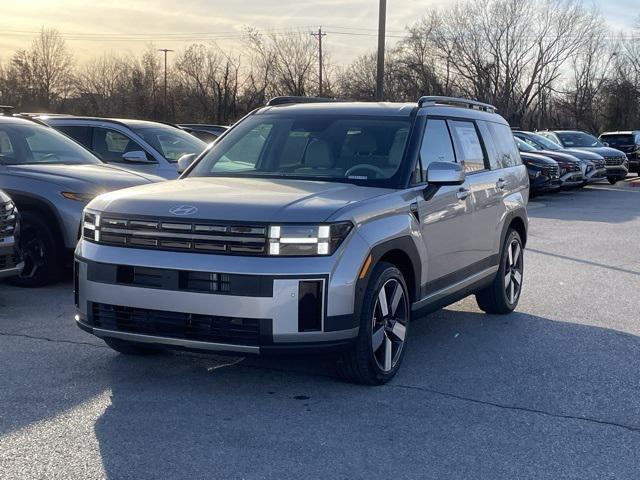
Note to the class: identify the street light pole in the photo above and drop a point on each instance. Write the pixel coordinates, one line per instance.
(165, 51)
(382, 21)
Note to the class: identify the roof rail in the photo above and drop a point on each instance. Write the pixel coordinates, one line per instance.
(456, 102)
(6, 109)
(291, 100)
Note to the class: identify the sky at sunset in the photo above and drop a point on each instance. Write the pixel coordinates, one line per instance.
(92, 27)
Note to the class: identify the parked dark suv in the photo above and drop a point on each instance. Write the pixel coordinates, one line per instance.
(10, 259)
(313, 226)
(544, 172)
(627, 142)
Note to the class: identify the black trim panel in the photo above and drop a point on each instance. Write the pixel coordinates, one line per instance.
(181, 280)
(458, 276)
(340, 322)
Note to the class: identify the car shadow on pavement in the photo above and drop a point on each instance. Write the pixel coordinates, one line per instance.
(478, 396)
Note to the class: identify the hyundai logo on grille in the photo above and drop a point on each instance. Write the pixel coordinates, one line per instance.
(183, 210)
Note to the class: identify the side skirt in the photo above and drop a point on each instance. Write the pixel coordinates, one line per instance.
(454, 293)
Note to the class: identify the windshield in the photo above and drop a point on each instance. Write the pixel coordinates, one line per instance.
(578, 139)
(324, 147)
(619, 140)
(524, 146)
(171, 142)
(30, 144)
(541, 143)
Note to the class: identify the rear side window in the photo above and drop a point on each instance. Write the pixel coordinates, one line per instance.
(80, 134)
(436, 145)
(468, 145)
(508, 155)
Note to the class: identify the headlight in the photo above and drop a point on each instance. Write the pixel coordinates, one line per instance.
(306, 240)
(79, 197)
(91, 226)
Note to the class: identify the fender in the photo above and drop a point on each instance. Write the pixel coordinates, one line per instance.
(404, 244)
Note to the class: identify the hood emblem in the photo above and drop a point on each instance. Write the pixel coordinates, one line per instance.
(183, 210)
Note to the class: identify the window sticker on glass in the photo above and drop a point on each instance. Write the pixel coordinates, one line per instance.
(469, 139)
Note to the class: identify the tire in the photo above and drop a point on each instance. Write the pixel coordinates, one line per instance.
(130, 348)
(503, 295)
(612, 180)
(41, 252)
(375, 365)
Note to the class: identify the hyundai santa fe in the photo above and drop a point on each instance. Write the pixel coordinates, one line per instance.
(312, 226)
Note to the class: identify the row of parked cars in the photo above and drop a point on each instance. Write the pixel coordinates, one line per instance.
(568, 159)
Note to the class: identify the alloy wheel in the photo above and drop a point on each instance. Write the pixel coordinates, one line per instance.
(389, 324)
(513, 271)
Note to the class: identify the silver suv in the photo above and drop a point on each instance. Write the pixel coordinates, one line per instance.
(312, 226)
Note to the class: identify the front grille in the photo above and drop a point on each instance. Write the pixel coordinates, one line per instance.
(8, 261)
(551, 172)
(600, 163)
(181, 280)
(187, 326)
(614, 161)
(169, 234)
(7, 219)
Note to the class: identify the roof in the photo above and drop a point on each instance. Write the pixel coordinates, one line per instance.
(627, 132)
(344, 108)
(123, 121)
(18, 120)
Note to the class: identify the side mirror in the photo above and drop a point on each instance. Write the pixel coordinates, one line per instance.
(185, 161)
(445, 173)
(605, 144)
(136, 156)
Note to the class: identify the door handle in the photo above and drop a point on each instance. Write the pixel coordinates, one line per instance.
(463, 193)
(501, 184)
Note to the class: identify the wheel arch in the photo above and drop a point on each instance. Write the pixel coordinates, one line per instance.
(28, 203)
(516, 220)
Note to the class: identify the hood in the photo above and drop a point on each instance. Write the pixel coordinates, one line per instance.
(89, 178)
(555, 155)
(241, 199)
(539, 158)
(583, 154)
(602, 151)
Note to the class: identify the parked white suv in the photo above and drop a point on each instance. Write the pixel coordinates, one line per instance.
(313, 226)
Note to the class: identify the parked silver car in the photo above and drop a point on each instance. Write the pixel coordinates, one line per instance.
(10, 259)
(313, 226)
(51, 178)
(147, 147)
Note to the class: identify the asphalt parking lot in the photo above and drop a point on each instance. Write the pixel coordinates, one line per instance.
(552, 391)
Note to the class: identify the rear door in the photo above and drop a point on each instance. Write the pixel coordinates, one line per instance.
(483, 177)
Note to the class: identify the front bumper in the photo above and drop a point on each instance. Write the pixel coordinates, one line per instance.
(618, 170)
(11, 264)
(215, 302)
(572, 179)
(596, 175)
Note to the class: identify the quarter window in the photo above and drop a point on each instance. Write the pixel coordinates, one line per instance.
(469, 146)
(508, 154)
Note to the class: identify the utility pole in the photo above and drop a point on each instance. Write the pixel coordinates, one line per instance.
(382, 21)
(319, 35)
(165, 51)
